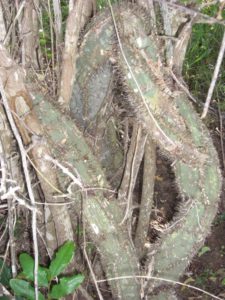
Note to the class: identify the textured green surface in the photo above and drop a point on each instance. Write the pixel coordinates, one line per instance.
(184, 139)
(202, 185)
(172, 123)
(102, 216)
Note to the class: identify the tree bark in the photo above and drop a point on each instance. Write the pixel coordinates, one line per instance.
(2, 24)
(29, 35)
(77, 18)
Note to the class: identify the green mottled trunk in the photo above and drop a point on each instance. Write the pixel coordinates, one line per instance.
(101, 215)
(172, 124)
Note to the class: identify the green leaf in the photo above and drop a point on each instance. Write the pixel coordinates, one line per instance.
(49, 55)
(27, 264)
(66, 286)
(223, 282)
(24, 289)
(5, 274)
(4, 297)
(203, 250)
(42, 42)
(63, 257)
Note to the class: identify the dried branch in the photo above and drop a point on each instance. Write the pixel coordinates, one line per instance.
(58, 219)
(181, 45)
(14, 22)
(146, 197)
(214, 78)
(76, 180)
(133, 161)
(12, 221)
(173, 282)
(89, 263)
(2, 24)
(8, 187)
(58, 35)
(28, 183)
(221, 132)
(182, 86)
(54, 86)
(29, 35)
(3, 173)
(201, 18)
(77, 18)
(58, 22)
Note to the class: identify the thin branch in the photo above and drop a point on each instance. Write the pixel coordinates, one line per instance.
(202, 18)
(14, 21)
(4, 233)
(88, 260)
(11, 209)
(79, 14)
(76, 180)
(221, 136)
(3, 174)
(183, 87)
(146, 197)
(134, 158)
(12, 221)
(207, 4)
(6, 293)
(52, 48)
(164, 280)
(27, 180)
(215, 77)
(45, 179)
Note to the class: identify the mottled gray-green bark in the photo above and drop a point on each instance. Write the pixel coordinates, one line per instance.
(165, 112)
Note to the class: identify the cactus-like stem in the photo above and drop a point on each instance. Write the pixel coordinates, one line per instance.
(167, 116)
(200, 187)
(171, 122)
(102, 216)
(178, 130)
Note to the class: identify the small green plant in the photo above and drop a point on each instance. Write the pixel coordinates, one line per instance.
(203, 250)
(205, 277)
(52, 286)
(208, 277)
(5, 274)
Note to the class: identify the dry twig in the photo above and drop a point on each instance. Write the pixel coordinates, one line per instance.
(14, 21)
(133, 161)
(214, 78)
(164, 280)
(28, 183)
